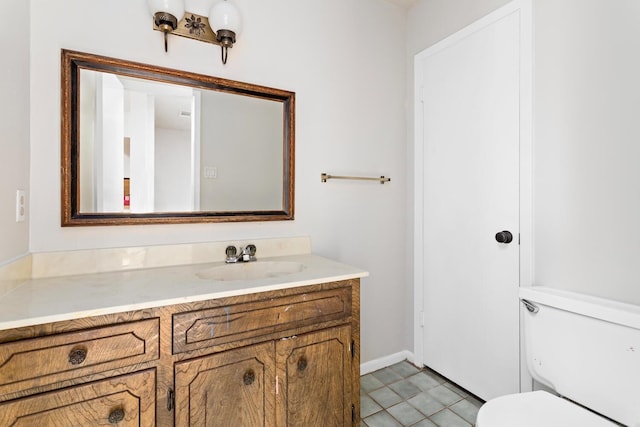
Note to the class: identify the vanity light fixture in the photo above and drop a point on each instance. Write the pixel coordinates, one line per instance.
(169, 16)
(166, 15)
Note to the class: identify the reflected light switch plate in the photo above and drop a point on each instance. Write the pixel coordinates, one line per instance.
(210, 172)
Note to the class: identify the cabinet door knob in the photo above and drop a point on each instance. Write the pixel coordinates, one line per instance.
(77, 355)
(249, 377)
(302, 363)
(116, 416)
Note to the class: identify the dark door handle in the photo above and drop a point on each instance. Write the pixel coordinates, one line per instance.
(504, 237)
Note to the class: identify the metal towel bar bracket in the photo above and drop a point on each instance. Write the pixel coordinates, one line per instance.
(324, 177)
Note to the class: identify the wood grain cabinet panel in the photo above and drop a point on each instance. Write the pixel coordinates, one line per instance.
(315, 379)
(204, 328)
(44, 360)
(124, 401)
(231, 388)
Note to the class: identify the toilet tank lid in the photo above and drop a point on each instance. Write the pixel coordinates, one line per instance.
(587, 305)
(537, 409)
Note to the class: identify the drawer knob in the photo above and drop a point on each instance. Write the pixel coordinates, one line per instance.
(249, 377)
(77, 355)
(302, 363)
(116, 416)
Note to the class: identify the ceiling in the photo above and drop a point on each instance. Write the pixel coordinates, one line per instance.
(404, 3)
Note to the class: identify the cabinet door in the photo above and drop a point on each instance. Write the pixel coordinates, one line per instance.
(233, 388)
(314, 379)
(124, 401)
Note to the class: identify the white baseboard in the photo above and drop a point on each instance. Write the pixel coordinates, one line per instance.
(383, 362)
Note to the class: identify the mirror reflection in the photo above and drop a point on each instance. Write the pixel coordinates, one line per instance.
(159, 145)
(146, 148)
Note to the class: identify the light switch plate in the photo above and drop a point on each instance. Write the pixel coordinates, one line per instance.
(21, 210)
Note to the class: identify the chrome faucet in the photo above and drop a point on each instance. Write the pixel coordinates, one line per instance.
(246, 254)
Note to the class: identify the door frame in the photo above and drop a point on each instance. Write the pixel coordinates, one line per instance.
(524, 8)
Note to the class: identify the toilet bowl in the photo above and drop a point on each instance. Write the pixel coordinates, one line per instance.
(584, 348)
(537, 409)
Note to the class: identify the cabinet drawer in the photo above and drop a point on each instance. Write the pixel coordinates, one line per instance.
(204, 328)
(128, 400)
(45, 360)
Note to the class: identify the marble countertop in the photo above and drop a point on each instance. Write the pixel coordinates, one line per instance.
(37, 301)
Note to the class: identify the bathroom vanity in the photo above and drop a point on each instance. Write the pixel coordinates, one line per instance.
(166, 347)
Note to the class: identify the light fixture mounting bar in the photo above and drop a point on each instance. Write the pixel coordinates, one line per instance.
(195, 27)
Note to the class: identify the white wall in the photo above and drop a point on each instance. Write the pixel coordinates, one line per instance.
(141, 131)
(109, 143)
(348, 76)
(587, 146)
(243, 141)
(586, 153)
(173, 176)
(14, 127)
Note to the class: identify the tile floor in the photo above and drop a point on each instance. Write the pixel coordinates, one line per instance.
(403, 395)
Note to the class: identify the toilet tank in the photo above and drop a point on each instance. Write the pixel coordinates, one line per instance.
(585, 348)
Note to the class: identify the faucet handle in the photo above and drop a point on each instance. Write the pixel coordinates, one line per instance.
(249, 253)
(241, 254)
(231, 251)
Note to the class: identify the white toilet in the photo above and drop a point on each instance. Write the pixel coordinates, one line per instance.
(586, 349)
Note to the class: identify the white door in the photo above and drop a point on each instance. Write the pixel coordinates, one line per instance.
(469, 126)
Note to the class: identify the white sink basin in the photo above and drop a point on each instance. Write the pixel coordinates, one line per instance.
(251, 270)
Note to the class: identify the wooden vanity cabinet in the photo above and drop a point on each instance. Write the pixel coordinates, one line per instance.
(277, 358)
(301, 380)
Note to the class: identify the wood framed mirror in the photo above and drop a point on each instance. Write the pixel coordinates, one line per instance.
(143, 144)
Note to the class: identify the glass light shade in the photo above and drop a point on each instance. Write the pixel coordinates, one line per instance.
(225, 16)
(173, 7)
